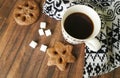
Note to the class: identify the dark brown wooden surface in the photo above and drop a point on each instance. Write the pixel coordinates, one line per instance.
(18, 60)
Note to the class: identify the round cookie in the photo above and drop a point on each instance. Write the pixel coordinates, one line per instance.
(26, 12)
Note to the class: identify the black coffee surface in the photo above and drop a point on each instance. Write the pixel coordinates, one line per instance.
(78, 25)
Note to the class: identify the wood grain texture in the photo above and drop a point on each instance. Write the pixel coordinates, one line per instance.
(18, 60)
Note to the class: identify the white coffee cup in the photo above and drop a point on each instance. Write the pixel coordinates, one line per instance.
(90, 41)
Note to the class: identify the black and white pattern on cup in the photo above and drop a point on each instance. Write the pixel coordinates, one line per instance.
(108, 57)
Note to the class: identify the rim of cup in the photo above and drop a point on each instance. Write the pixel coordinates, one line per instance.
(91, 13)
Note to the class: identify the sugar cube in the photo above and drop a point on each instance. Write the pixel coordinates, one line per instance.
(41, 32)
(48, 32)
(43, 25)
(33, 44)
(43, 48)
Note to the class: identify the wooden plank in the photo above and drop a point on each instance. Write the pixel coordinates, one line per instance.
(29, 69)
(53, 71)
(5, 38)
(44, 69)
(95, 77)
(2, 20)
(21, 60)
(6, 8)
(76, 70)
(24, 39)
(108, 75)
(8, 21)
(117, 73)
(3, 27)
(9, 53)
(1, 3)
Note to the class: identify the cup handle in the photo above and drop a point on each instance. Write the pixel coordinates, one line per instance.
(93, 44)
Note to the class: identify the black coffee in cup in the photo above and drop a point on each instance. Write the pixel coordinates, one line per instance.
(78, 25)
